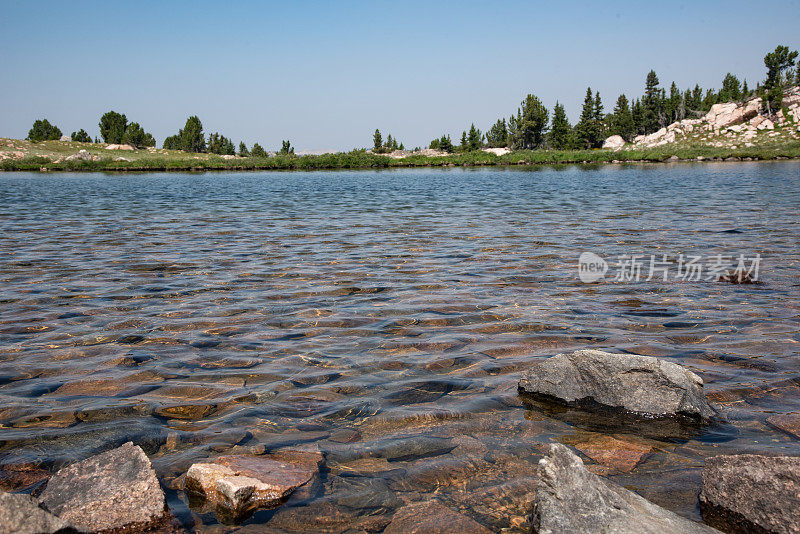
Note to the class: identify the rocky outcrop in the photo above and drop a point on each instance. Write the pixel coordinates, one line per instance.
(120, 147)
(731, 123)
(731, 113)
(241, 483)
(571, 499)
(113, 490)
(82, 155)
(752, 493)
(21, 514)
(639, 384)
(432, 518)
(615, 142)
(497, 151)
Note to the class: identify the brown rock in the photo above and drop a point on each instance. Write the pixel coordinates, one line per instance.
(21, 476)
(752, 493)
(243, 482)
(621, 454)
(432, 518)
(787, 423)
(112, 490)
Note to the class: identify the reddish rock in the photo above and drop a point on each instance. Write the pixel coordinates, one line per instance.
(620, 454)
(787, 423)
(752, 493)
(432, 518)
(113, 490)
(243, 482)
(16, 477)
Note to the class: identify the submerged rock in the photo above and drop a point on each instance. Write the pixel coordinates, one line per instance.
(571, 499)
(21, 514)
(432, 518)
(113, 490)
(242, 483)
(639, 384)
(752, 493)
(787, 423)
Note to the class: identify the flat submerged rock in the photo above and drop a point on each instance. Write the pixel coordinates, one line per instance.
(639, 384)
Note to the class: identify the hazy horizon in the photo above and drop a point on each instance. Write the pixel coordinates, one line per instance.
(325, 76)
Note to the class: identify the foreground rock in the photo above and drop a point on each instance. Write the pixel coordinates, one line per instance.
(571, 499)
(432, 518)
(639, 384)
(113, 490)
(615, 142)
(240, 483)
(752, 493)
(20, 514)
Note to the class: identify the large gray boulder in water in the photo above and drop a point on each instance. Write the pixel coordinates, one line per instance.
(640, 384)
(751, 493)
(21, 514)
(571, 499)
(117, 489)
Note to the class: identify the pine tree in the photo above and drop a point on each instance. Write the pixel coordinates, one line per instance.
(112, 127)
(599, 118)
(651, 104)
(709, 100)
(745, 90)
(464, 146)
(258, 151)
(777, 62)
(560, 136)
(474, 138)
(731, 90)
(286, 148)
(528, 128)
(80, 136)
(587, 131)
(377, 140)
(497, 135)
(674, 105)
(192, 138)
(622, 122)
(136, 136)
(445, 144)
(42, 130)
(243, 150)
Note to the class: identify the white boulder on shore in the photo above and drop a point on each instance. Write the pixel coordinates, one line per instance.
(120, 147)
(497, 151)
(615, 142)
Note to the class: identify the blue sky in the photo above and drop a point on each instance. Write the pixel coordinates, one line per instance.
(326, 74)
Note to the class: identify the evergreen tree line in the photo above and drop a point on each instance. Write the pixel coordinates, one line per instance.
(379, 146)
(191, 138)
(532, 127)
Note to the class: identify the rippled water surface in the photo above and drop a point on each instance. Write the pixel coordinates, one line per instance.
(386, 317)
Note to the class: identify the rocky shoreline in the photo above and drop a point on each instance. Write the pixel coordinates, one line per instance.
(118, 490)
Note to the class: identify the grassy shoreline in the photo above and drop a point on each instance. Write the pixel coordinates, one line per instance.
(178, 161)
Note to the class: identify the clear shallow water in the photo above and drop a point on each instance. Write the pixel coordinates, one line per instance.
(385, 316)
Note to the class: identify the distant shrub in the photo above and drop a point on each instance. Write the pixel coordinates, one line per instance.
(81, 136)
(42, 130)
